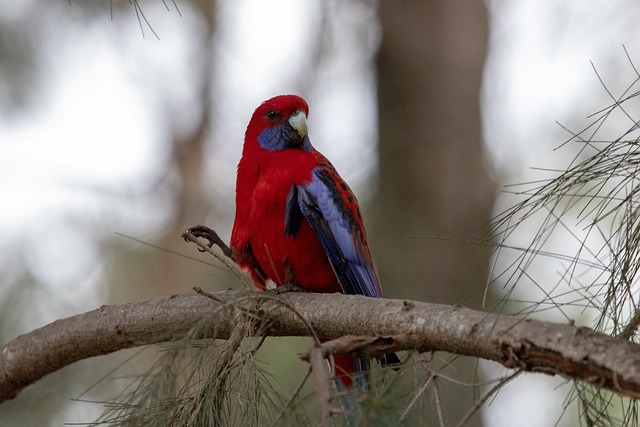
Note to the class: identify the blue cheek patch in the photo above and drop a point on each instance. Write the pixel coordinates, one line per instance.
(280, 138)
(273, 139)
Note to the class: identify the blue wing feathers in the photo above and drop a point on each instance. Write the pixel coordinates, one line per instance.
(321, 204)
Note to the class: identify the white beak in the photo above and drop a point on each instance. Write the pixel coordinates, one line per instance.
(298, 121)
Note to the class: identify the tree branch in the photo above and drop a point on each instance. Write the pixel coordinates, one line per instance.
(575, 353)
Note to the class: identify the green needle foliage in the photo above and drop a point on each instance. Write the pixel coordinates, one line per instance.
(593, 207)
(188, 387)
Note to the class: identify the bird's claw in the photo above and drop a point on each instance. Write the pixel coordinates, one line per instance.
(288, 287)
(202, 231)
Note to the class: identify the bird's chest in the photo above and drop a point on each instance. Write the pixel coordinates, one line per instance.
(285, 259)
(269, 198)
(268, 206)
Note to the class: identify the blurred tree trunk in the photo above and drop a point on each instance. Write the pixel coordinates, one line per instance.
(148, 272)
(188, 156)
(432, 173)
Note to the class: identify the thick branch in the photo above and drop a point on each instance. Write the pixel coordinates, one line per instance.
(577, 353)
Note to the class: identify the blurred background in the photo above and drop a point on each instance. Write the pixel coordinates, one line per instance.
(122, 122)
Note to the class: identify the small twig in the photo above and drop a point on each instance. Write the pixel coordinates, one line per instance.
(373, 346)
(273, 265)
(257, 347)
(436, 397)
(417, 396)
(202, 292)
(295, 394)
(461, 383)
(486, 397)
(188, 236)
(343, 345)
(317, 361)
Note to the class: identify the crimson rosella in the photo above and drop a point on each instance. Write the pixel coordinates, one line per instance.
(297, 221)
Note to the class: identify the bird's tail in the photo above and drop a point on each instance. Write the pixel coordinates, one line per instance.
(349, 369)
(352, 374)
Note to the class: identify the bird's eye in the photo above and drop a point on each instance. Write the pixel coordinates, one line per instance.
(271, 115)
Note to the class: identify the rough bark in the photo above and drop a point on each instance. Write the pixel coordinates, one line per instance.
(567, 350)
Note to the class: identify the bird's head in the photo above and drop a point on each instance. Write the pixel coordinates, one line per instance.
(279, 123)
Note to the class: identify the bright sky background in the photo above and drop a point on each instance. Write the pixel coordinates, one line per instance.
(65, 162)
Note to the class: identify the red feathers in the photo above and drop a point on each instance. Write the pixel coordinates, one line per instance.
(296, 219)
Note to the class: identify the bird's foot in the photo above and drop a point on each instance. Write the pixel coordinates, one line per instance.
(202, 231)
(288, 287)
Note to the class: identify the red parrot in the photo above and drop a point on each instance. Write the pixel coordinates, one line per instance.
(297, 221)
